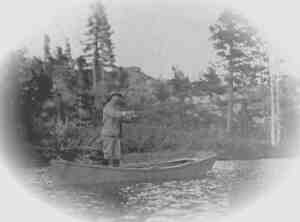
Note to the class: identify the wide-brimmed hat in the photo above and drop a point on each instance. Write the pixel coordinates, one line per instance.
(114, 93)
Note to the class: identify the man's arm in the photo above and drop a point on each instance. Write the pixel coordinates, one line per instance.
(130, 117)
(117, 113)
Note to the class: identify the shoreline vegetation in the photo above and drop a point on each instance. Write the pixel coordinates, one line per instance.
(239, 108)
(225, 148)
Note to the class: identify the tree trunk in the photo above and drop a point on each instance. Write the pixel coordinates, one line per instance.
(273, 129)
(229, 105)
(94, 77)
(95, 62)
(95, 118)
(277, 105)
(244, 119)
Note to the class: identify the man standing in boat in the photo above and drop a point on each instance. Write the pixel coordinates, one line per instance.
(111, 130)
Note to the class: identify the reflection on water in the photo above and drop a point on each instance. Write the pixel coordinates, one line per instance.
(228, 185)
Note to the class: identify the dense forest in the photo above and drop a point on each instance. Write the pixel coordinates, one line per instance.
(56, 101)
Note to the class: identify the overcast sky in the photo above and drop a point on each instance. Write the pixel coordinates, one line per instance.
(151, 34)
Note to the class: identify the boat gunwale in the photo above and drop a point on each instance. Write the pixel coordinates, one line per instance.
(190, 161)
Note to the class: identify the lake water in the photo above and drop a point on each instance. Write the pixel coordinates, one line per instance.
(230, 185)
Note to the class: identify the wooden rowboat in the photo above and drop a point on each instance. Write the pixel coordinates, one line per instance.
(64, 172)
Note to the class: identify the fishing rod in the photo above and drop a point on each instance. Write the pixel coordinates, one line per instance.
(172, 108)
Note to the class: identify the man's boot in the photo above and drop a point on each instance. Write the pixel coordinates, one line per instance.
(116, 163)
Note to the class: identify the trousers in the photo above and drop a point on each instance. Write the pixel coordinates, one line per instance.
(111, 147)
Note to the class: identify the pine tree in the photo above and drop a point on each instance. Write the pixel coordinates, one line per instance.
(181, 84)
(161, 92)
(47, 53)
(181, 88)
(59, 54)
(243, 53)
(98, 46)
(68, 51)
(210, 83)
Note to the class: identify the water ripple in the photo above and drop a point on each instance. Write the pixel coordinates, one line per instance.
(211, 197)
